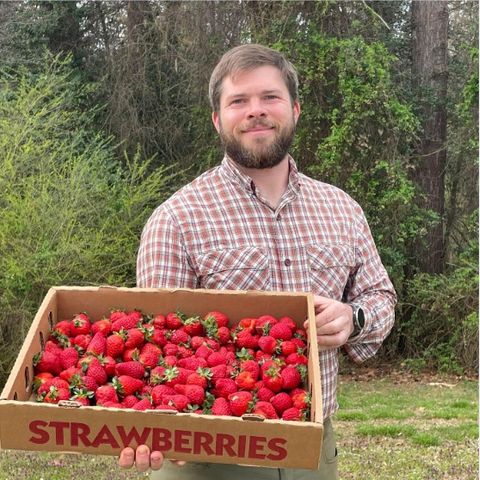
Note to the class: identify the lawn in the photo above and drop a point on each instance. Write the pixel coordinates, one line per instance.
(388, 427)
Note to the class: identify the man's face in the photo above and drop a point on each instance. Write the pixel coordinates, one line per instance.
(256, 120)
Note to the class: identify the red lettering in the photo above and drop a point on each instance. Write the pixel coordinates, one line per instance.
(242, 442)
(105, 436)
(59, 428)
(256, 446)
(181, 441)
(79, 433)
(133, 437)
(225, 443)
(202, 441)
(161, 439)
(275, 444)
(35, 428)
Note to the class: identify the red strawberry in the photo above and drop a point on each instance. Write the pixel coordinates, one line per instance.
(291, 377)
(281, 402)
(193, 326)
(264, 323)
(97, 372)
(180, 337)
(216, 358)
(47, 362)
(180, 402)
(159, 321)
(196, 378)
(267, 343)
(130, 354)
(149, 355)
(82, 396)
(292, 414)
(52, 346)
(192, 363)
(54, 395)
(196, 342)
(129, 401)
(157, 375)
(297, 359)
(125, 322)
(158, 391)
(144, 404)
(300, 399)
(287, 347)
(103, 326)
(194, 393)
(203, 352)
(170, 360)
(219, 371)
(223, 335)
(289, 322)
(133, 368)
(97, 345)
(184, 352)
(245, 381)
(82, 341)
(126, 385)
(272, 379)
(80, 325)
(116, 315)
(264, 394)
(252, 367)
(247, 323)
(220, 318)
(221, 407)
(68, 358)
(266, 409)
(244, 338)
(240, 402)
(40, 379)
(281, 331)
(173, 321)
(135, 338)
(63, 327)
(224, 387)
(106, 393)
(159, 337)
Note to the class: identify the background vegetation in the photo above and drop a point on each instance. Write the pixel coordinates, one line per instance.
(104, 113)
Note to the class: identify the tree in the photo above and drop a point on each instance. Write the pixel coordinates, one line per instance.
(430, 27)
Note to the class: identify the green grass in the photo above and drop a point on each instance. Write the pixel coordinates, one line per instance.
(386, 430)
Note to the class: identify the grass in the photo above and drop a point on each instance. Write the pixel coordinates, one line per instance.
(387, 428)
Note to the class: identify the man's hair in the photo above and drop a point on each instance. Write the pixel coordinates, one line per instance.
(248, 57)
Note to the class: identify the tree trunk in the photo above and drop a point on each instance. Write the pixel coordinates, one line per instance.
(430, 35)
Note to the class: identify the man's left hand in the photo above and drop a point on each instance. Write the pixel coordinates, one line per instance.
(334, 321)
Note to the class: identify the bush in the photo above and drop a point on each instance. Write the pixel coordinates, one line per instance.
(71, 213)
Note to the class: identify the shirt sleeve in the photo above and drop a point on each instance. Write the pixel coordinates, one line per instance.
(162, 260)
(372, 290)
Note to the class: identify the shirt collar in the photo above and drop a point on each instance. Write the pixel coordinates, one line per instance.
(231, 170)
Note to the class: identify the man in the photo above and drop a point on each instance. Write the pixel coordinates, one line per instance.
(255, 222)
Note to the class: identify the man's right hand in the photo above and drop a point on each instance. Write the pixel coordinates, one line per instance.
(143, 459)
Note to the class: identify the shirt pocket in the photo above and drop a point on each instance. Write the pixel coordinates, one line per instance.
(234, 269)
(330, 267)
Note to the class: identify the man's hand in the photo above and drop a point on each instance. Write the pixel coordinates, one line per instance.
(334, 322)
(143, 459)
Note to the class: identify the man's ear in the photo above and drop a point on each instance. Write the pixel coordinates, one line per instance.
(216, 121)
(296, 111)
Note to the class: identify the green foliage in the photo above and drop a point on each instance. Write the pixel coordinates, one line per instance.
(442, 330)
(70, 212)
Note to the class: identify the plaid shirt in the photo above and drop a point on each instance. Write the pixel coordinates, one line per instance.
(218, 232)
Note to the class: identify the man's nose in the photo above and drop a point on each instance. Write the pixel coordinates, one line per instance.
(256, 109)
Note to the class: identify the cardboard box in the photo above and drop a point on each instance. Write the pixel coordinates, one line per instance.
(27, 425)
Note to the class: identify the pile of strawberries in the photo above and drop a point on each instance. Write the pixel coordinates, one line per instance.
(174, 362)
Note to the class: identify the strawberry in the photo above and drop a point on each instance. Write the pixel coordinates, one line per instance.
(109, 364)
(267, 343)
(247, 323)
(281, 402)
(106, 393)
(53, 346)
(265, 409)
(173, 321)
(281, 331)
(287, 347)
(132, 368)
(180, 336)
(184, 352)
(130, 354)
(223, 335)
(179, 401)
(159, 337)
(125, 322)
(216, 358)
(134, 338)
(289, 322)
(82, 396)
(96, 371)
(64, 327)
(170, 360)
(218, 317)
(300, 399)
(144, 404)
(165, 407)
(193, 326)
(97, 345)
(149, 355)
(221, 407)
(219, 371)
(194, 393)
(297, 359)
(264, 394)
(104, 326)
(291, 377)
(292, 414)
(80, 325)
(252, 367)
(272, 379)
(264, 323)
(245, 381)
(126, 385)
(196, 342)
(170, 349)
(129, 401)
(224, 387)
(55, 395)
(159, 321)
(68, 357)
(192, 363)
(47, 362)
(203, 352)
(158, 391)
(240, 402)
(116, 315)
(40, 379)
(244, 338)
(82, 341)
(197, 378)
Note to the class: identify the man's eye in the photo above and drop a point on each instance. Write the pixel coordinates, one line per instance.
(270, 97)
(237, 101)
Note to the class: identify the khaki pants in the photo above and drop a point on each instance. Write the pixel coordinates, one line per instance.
(219, 471)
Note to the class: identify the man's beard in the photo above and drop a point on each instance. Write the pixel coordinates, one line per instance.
(261, 156)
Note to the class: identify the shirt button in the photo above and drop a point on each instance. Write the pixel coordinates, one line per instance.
(287, 262)
(279, 217)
